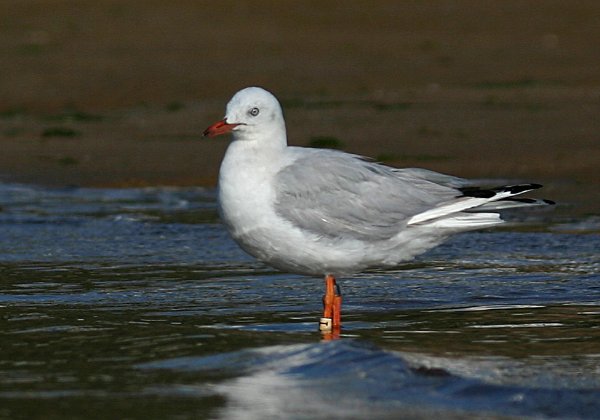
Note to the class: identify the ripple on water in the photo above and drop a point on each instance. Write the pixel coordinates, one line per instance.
(113, 296)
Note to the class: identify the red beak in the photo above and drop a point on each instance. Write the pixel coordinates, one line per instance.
(218, 128)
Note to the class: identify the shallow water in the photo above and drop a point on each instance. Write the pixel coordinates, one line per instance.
(135, 303)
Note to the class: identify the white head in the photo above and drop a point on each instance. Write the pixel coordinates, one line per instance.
(253, 114)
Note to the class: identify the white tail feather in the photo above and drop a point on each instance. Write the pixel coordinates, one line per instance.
(466, 221)
(463, 203)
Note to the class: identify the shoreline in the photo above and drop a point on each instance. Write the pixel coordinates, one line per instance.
(119, 96)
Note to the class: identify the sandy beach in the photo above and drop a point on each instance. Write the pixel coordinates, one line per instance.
(117, 93)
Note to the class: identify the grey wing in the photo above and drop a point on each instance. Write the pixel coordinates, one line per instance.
(340, 195)
(435, 177)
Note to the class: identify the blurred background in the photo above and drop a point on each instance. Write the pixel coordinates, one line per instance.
(117, 93)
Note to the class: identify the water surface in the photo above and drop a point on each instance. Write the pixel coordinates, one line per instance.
(135, 303)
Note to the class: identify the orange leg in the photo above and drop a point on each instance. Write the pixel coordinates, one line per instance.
(332, 306)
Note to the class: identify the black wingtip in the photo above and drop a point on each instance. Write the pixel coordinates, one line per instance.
(532, 201)
(477, 192)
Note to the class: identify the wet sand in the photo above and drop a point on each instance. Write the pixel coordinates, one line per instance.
(116, 93)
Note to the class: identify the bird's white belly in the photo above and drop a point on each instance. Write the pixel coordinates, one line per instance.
(262, 233)
(246, 202)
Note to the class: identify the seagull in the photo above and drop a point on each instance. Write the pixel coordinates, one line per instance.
(330, 213)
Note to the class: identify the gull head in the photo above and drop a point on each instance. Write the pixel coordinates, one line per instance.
(252, 114)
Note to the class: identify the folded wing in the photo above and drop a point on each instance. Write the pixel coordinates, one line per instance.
(340, 195)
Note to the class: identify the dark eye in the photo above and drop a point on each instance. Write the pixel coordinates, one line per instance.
(254, 112)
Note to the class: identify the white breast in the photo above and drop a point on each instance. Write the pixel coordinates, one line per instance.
(246, 193)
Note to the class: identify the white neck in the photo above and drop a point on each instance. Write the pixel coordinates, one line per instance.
(272, 136)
